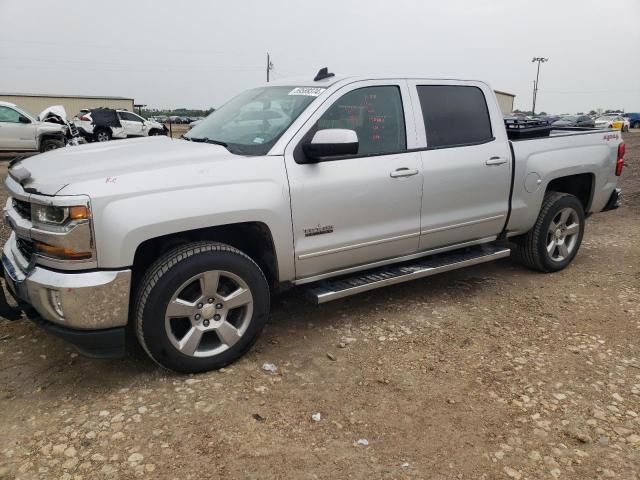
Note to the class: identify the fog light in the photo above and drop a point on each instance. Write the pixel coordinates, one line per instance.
(56, 302)
(62, 253)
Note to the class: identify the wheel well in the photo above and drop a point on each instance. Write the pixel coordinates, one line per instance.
(580, 185)
(252, 238)
(50, 136)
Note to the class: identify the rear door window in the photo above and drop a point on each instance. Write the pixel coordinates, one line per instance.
(454, 115)
(129, 117)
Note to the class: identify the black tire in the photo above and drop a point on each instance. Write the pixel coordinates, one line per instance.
(156, 133)
(531, 248)
(49, 144)
(636, 125)
(166, 276)
(102, 135)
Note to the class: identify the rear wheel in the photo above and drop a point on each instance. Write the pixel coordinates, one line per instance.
(555, 238)
(102, 135)
(49, 144)
(635, 125)
(200, 307)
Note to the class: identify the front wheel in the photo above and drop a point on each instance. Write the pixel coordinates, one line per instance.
(200, 307)
(555, 238)
(50, 144)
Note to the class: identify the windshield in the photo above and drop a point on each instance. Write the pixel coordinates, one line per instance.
(607, 118)
(252, 122)
(570, 118)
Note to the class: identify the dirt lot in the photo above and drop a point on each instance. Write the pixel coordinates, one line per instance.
(489, 372)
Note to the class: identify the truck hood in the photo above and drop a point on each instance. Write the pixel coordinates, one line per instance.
(52, 172)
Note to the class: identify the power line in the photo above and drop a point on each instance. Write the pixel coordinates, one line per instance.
(117, 47)
(123, 64)
(586, 92)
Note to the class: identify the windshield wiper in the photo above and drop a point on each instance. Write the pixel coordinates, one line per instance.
(207, 140)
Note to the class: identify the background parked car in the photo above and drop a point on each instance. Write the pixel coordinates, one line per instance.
(175, 119)
(22, 131)
(549, 119)
(574, 121)
(617, 122)
(634, 119)
(115, 124)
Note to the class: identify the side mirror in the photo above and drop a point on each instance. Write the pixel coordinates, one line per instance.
(330, 143)
(23, 119)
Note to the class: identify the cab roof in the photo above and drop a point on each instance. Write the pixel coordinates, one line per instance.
(308, 81)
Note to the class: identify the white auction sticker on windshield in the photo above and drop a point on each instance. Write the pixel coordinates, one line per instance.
(307, 91)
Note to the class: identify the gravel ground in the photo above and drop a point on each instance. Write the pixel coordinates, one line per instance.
(489, 372)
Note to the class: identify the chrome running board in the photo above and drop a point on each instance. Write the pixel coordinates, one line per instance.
(347, 285)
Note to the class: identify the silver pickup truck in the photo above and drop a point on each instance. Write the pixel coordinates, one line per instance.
(337, 184)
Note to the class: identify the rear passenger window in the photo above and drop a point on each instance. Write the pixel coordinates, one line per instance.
(376, 115)
(454, 115)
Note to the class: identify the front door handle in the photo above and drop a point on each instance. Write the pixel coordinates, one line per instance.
(403, 172)
(496, 161)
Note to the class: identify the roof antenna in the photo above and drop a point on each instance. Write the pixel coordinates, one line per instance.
(322, 74)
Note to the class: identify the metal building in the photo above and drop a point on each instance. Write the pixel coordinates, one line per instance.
(36, 103)
(505, 100)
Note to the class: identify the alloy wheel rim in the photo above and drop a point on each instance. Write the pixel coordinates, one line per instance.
(209, 313)
(562, 235)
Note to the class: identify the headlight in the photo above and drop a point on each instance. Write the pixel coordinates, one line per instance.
(58, 216)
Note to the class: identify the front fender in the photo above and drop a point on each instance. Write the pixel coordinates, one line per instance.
(123, 224)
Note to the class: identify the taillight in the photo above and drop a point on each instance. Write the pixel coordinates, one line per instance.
(84, 118)
(620, 161)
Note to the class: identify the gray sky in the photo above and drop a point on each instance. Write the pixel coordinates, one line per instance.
(199, 53)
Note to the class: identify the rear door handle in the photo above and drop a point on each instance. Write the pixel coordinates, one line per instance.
(403, 172)
(496, 161)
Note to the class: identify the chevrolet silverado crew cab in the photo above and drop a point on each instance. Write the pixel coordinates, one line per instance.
(336, 184)
(22, 132)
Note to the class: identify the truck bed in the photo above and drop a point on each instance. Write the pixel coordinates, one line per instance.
(563, 152)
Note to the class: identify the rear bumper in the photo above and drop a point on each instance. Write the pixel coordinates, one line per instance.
(614, 200)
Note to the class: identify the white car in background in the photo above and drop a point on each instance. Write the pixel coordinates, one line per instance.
(613, 120)
(20, 131)
(132, 125)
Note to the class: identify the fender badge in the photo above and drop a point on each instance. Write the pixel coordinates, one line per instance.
(319, 230)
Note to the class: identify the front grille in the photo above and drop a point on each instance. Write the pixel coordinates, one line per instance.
(23, 208)
(26, 247)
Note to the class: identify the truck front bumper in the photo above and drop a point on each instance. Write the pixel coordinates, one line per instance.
(88, 309)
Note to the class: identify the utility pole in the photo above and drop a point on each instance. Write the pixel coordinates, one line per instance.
(269, 66)
(535, 84)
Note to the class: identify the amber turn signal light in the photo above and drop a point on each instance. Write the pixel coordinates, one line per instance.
(79, 213)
